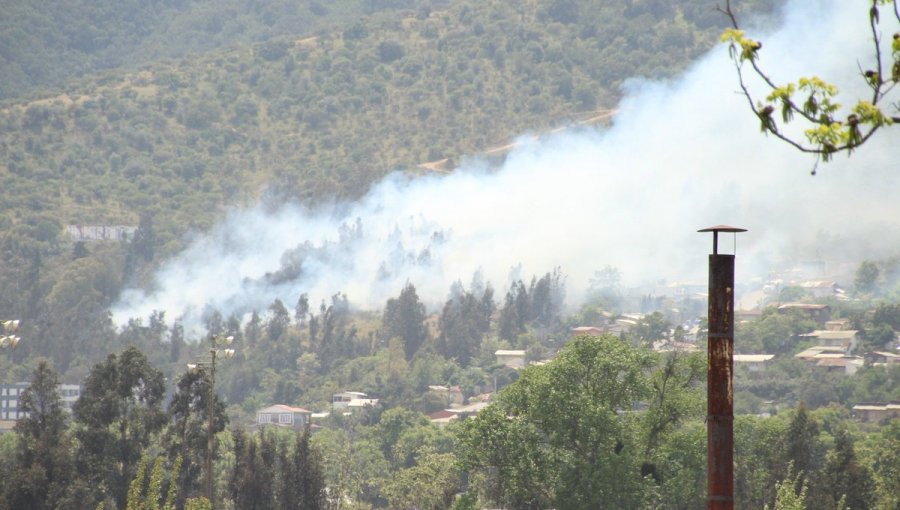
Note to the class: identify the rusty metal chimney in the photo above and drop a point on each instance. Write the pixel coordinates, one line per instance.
(719, 388)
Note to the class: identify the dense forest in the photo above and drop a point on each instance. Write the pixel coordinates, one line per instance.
(161, 116)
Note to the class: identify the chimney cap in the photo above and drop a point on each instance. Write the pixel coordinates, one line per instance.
(723, 228)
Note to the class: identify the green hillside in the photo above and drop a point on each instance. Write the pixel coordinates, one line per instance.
(45, 44)
(328, 114)
(307, 118)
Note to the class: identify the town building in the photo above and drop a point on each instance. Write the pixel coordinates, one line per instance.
(281, 415)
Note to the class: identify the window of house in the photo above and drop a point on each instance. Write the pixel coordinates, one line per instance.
(284, 418)
(264, 418)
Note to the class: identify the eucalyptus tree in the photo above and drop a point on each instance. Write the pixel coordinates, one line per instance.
(116, 417)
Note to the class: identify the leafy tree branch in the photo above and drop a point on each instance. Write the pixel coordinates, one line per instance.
(811, 100)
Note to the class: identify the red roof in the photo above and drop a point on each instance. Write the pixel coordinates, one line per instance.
(439, 415)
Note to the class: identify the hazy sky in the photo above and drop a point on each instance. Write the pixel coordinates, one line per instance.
(682, 155)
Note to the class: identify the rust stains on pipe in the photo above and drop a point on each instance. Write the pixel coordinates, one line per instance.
(720, 392)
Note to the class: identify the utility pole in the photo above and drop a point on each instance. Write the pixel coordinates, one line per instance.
(215, 342)
(719, 386)
(210, 494)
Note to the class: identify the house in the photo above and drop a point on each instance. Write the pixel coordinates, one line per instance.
(819, 313)
(819, 351)
(443, 417)
(834, 359)
(283, 416)
(847, 365)
(748, 315)
(467, 411)
(753, 362)
(511, 359)
(882, 358)
(588, 331)
(452, 395)
(672, 345)
(351, 399)
(846, 340)
(837, 324)
(821, 288)
(876, 411)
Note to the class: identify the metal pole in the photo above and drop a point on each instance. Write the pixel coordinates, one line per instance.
(209, 429)
(720, 403)
(719, 383)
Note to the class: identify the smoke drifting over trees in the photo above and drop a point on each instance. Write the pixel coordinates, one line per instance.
(678, 157)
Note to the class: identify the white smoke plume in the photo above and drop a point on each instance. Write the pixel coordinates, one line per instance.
(682, 155)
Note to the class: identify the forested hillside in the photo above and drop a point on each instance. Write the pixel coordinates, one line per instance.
(47, 44)
(299, 117)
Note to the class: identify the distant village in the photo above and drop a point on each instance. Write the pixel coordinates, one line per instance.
(833, 346)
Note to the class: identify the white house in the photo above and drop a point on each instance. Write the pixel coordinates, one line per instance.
(340, 401)
(511, 359)
(753, 362)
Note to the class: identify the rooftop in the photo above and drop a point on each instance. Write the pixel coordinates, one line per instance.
(752, 358)
(281, 408)
(509, 353)
(802, 306)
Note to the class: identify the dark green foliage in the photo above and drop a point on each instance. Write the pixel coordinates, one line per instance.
(389, 51)
(887, 314)
(186, 434)
(116, 416)
(866, 276)
(278, 322)
(846, 476)
(464, 321)
(404, 317)
(252, 480)
(651, 328)
(562, 436)
(774, 332)
(802, 446)
(301, 310)
(338, 337)
(43, 463)
(538, 305)
(300, 484)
